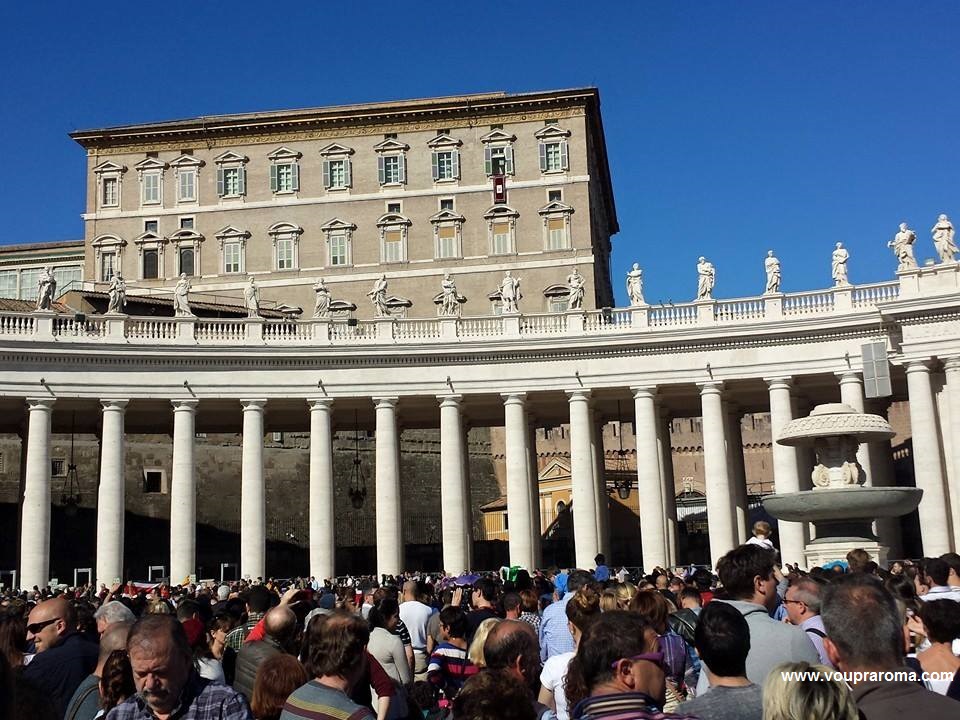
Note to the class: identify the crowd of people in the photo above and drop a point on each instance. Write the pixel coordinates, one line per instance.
(752, 641)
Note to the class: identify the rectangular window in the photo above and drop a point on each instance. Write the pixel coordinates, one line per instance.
(447, 241)
(338, 249)
(110, 196)
(498, 160)
(394, 207)
(393, 246)
(151, 264)
(336, 174)
(232, 182)
(554, 195)
(501, 239)
(284, 254)
(231, 257)
(557, 234)
(186, 260)
(553, 156)
(151, 226)
(187, 185)
(186, 223)
(8, 284)
(65, 276)
(446, 204)
(151, 188)
(58, 467)
(446, 165)
(391, 169)
(153, 481)
(558, 304)
(284, 178)
(108, 263)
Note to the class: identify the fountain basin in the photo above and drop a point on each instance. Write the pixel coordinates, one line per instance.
(835, 419)
(845, 503)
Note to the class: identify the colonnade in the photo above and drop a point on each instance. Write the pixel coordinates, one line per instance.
(723, 460)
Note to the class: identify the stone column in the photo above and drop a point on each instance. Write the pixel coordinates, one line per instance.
(665, 457)
(952, 372)
(786, 478)
(389, 512)
(453, 489)
(519, 512)
(468, 495)
(600, 479)
(533, 470)
(323, 543)
(653, 533)
(737, 470)
(721, 518)
(583, 493)
(927, 465)
(253, 496)
(183, 492)
(35, 525)
(110, 496)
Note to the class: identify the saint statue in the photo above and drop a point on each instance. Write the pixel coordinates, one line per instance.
(450, 298)
(321, 306)
(378, 296)
(838, 267)
(46, 287)
(510, 295)
(706, 277)
(181, 304)
(118, 294)
(772, 266)
(251, 297)
(902, 245)
(575, 285)
(943, 239)
(635, 286)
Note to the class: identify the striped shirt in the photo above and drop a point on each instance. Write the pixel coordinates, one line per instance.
(624, 706)
(315, 701)
(449, 668)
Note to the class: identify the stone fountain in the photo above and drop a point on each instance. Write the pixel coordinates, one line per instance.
(840, 505)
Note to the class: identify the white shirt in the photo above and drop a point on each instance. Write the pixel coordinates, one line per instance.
(942, 592)
(415, 616)
(552, 676)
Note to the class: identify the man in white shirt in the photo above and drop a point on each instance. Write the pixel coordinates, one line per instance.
(415, 616)
(938, 575)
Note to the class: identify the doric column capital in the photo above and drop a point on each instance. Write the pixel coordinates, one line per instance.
(254, 404)
(917, 366)
(185, 405)
(779, 383)
(450, 400)
(513, 398)
(116, 405)
(45, 403)
(320, 403)
(849, 376)
(643, 392)
(579, 395)
(951, 364)
(713, 387)
(386, 402)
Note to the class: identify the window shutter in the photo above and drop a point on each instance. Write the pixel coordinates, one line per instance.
(402, 168)
(487, 161)
(347, 173)
(456, 164)
(380, 170)
(564, 155)
(295, 168)
(326, 174)
(220, 188)
(273, 178)
(508, 160)
(242, 181)
(435, 164)
(543, 157)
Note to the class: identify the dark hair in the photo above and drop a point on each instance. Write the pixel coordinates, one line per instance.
(277, 677)
(941, 618)
(722, 639)
(258, 599)
(493, 695)
(335, 644)
(739, 567)
(862, 620)
(187, 609)
(487, 588)
(156, 625)
(600, 559)
(511, 601)
(937, 570)
(382, 612)
(689, 593)
(703, 579)
(583, 607)
(577, 579)
(952, 560)
(857, 560)
(13, 638)
(614, 635)
(456, 621)
(652, 607)
(116, 680)
(528, 601)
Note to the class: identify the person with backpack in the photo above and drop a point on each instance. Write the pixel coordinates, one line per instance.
(802, 601)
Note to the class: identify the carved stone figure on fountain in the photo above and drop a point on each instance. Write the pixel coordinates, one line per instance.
(943, 239)
(635, 286)
(772, 267)
(902, 245)
(706, 278)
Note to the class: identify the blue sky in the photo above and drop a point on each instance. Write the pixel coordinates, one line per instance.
(732, 127)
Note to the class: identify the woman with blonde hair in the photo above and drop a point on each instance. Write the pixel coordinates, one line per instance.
(824, 698)
(475, 652)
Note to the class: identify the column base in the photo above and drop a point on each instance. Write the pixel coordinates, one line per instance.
(820, 552)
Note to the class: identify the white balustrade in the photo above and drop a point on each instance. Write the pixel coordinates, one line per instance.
(416, 330)
(740, 310)
(552, 324)
(345, 332)
(16, 324)
(217, 330)
(481, 327)
(151, 329)
(285, 330)
(818, 302)
(870, 295)
(673, 315)
(608, 320)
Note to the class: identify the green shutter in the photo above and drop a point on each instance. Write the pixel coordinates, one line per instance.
(564, 156)
(242, 181)
(273, 178)
(402, 168)
(381, 171)
(326, 174)
(435, 164)
(220, 188)
(456, 164)
(543, 157)
(508, 160)
(347, 173)
(295, 169)
(487, 161)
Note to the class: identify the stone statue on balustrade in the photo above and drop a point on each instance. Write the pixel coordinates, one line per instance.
(635, 286)
(321, 306)
(706, 278)
(251, 297)
(378, 296)
(510, 294)
(46, 287)
(181, 297)
(838, 266)
(118, 295)
(943, 239)
(772, 267)
(575, 287)
(449, 300)
(902, 245)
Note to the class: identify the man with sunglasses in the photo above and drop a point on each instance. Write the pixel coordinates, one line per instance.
(64, 657)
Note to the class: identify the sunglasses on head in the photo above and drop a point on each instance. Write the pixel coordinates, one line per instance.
(36, 627)
(655, 657)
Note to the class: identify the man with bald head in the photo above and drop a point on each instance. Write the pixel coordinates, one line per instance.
(64, 657)
(279, 627)
(85, 703)
(512, 646)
